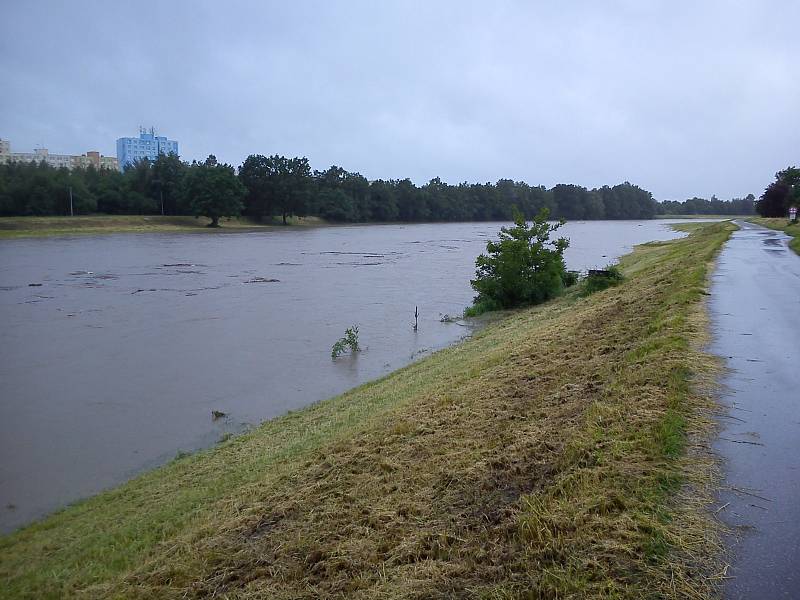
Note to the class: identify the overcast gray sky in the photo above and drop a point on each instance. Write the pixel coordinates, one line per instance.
(681, 97)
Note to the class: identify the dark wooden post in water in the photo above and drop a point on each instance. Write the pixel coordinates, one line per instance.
(416, 318)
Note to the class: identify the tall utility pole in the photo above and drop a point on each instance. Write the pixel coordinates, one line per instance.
(71, 212)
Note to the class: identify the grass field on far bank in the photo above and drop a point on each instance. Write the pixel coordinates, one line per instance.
(781, 224)
(24, 227)
(556, 454)
(691, 217)
(16, 227)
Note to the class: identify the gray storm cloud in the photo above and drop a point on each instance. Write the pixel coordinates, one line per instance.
(682, 98)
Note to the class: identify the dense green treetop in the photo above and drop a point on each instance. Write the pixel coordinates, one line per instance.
(212, 190)
(781, 194)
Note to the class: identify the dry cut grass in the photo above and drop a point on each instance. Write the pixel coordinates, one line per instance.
(558, 454)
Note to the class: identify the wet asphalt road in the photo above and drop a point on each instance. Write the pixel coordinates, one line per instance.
(755, 310)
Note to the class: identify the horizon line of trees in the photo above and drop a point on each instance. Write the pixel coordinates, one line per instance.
(268, 187)
(713, 206)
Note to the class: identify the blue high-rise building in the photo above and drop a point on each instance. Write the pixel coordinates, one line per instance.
(147, 145)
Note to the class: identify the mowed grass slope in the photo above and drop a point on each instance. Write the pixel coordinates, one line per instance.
(546, 457)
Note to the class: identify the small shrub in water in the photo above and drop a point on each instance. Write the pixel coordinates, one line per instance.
(523, 267)
(349, 341)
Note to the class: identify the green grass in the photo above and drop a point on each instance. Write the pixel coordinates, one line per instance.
(549, 456)
(782, 225)
(701, 217)
(598, 281)
(17, 227)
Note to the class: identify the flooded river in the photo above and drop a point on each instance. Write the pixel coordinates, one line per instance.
(116, 349)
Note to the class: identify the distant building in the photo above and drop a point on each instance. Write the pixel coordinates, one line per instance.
(68, 161)
(147, 145)
(96, 159)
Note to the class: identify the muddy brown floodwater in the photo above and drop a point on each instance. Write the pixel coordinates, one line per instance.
(115, 349)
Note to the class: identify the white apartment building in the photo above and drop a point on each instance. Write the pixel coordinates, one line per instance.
(68, 161)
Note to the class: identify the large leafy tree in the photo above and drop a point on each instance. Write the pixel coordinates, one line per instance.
(257, 174)
(523, 267)
(383, 201)
(276, 184)
(774, 202)
(335, 205)
(780, 194)
(167, 173)
(341, 196)
(212, 190)
(294, 188)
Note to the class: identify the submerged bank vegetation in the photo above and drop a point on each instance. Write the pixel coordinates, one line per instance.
(558, 453)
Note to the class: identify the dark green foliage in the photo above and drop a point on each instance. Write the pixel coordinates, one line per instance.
(523, 267)
(341, 196)
(279, 187)
(276, 185)
(165, 185)
(774, 202)
(715, 206)
(576, 202)
(781, 194)
(39, 189)
(481, 306)
(336, 205)
(570, 278)
(212, 190)
(600, 280)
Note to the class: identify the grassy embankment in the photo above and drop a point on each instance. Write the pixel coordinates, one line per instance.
(701, 217)
(16, 227)
(558, 453)
(782, 225)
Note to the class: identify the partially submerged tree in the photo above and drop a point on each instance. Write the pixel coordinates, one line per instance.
(524, 267)
(213, 190)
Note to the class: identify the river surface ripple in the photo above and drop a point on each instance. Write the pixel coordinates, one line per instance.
(114, 359)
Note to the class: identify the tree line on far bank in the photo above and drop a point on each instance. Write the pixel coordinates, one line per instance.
(277, 187)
